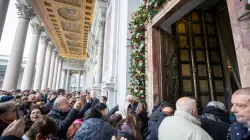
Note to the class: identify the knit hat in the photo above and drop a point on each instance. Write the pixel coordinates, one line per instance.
(6, 98)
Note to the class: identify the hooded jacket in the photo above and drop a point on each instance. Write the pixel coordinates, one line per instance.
(182, 126)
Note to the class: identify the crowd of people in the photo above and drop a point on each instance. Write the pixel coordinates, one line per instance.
(61, 115)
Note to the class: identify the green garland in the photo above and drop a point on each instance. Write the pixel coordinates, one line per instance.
(140, 18)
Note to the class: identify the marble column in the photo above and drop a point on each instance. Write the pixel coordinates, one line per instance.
(67, 80)
(51, 70)
(62, 79)
(40, 62)
(83, 81)
(4, 4)
(47, 67)
(100, 53)
(79, 81)
(59, 72)
(31, 60)
(55, 72)
(25, 13)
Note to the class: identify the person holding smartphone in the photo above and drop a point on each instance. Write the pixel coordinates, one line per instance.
(8, 113)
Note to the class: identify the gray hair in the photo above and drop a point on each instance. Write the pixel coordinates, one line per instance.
(186, 104)
(218, 105)
(7, 107)
(58, 101)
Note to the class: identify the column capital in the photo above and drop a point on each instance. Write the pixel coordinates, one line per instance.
(44, 39)
(36, 28)
(25, 12)
(101, 25)
(51, 47)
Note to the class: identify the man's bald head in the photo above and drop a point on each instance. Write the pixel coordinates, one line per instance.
(245, 91)
(168, 110)
(186, 104)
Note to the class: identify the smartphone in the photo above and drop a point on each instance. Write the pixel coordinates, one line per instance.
(17, 113)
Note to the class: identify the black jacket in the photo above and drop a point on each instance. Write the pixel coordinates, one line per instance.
(155, 126)
(95, 101)
(215, 122)
(10, 138)
(95, 129)
(64, 120)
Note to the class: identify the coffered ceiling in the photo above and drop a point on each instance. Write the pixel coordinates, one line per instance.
(67, 22)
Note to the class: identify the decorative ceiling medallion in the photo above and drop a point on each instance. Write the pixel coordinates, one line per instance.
(73, 43)
(69, 14)
(71, 27)
(71, 2)
(74, 49)
(72, 36)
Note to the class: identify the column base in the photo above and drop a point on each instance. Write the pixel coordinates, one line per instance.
(110, 92)
(98, 89)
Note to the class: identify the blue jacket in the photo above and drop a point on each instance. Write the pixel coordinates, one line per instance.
(155, 126)
(238, 132)
(95, 129)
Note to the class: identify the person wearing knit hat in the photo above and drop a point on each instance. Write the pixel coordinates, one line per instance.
(6, 98)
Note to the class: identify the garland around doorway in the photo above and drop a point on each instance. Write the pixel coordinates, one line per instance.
(137, 27)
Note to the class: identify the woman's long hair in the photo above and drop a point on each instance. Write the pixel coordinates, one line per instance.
(142, 107)
(135, 123)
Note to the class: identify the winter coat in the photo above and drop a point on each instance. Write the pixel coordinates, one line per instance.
(212, 118)
(144, 118)
(125, 135)
(49, 104)
(238, 132)
(64, 120)
(95, 129)
(3, 125)
(154, 116)
(181, 126)
(155, 126)
(95, 101)
(10, 138)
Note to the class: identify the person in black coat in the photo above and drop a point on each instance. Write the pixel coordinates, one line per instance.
(167, 111)
(215, 120)
(94, 128)
(64, 116)
(94, 100)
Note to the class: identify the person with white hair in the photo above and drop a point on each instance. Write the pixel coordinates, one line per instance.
(215, 116)
(133, 103)
(65, 116)
(184, 124)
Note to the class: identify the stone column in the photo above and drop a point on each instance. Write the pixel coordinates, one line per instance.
(79, 81)
(25, 13)
(67, 80)
(100, 53)
(4, 4)
(62, 80)
(47, 67)
(83, 81)
(55, 72)
(40, 62)
(51, 70)
(59, 72)
(31, 60)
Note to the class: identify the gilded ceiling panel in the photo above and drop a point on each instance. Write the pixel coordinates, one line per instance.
(67, 22)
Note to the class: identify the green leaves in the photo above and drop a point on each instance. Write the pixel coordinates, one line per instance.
(137, 28)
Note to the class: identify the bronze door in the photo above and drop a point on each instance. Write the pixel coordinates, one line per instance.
(169, 67)
(201, 72)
